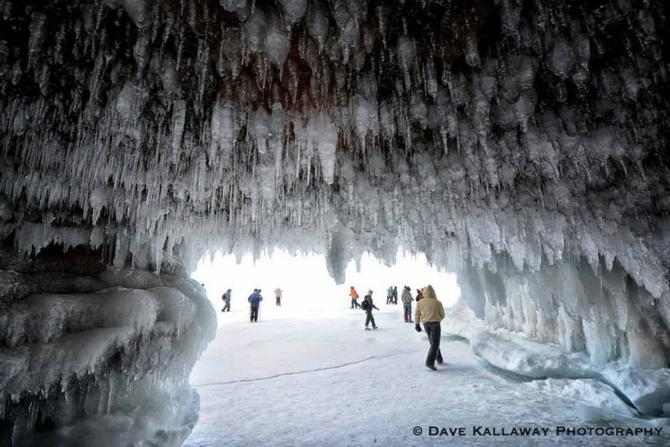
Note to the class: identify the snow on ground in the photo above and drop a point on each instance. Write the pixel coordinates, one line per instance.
(319, 379)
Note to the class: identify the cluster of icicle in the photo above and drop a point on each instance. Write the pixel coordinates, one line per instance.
(494, 136)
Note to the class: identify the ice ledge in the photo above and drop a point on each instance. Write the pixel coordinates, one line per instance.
(645, 391)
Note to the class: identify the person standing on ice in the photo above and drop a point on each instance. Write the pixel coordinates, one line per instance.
(255, 303)
(278, 295)
(354, 297)
(226, 300)
(406, 298)
(395, 295)
(389, 295)
(367, 305)
(430, 311)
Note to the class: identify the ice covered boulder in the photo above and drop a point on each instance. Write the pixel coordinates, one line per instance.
(118, 356)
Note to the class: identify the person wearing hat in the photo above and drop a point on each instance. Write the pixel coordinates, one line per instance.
(367, 305)
(430, 311)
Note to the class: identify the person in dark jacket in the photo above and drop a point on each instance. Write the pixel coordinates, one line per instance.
(255, 303)
(226, 300)
(367, 306)
(395, 295)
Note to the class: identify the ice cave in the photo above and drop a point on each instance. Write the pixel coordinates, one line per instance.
(520, 146)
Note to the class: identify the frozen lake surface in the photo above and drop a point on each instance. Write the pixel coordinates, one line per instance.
(321, 380)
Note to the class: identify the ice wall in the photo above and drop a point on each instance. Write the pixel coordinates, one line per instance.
(95, 353)
(521, 144)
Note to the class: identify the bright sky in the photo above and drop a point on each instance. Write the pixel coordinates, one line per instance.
(308, 289)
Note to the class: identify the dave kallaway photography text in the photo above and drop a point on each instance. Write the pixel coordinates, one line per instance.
(481, 430)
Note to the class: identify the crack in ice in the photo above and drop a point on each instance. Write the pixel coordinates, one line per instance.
(294, 373)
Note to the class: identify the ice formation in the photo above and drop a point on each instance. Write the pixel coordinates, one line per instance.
(639, 391)
(518, 143)
(81, 354)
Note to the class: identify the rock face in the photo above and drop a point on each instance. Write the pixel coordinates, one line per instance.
(520, 144)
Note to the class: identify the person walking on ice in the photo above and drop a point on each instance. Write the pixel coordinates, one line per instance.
(367, 305)
(407, 299)
(255, 303)
(430, 311)
(278, 295)
(354, 298)
(226, 300)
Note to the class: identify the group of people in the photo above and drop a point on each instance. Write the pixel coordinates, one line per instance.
(254, 302)
(392, 295)
(391, 298)
(429, 311)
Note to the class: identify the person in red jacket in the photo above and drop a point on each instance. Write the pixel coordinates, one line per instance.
(354, 297)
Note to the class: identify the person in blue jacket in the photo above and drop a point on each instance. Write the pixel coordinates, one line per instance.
(255, 302)
(226, 300)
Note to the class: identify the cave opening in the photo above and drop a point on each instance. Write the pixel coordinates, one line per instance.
(307, 286)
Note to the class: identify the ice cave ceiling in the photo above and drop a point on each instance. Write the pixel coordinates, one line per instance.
(521, 144)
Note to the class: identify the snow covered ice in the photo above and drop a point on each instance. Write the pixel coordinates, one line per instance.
(321, 380)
